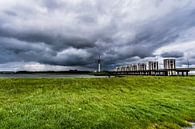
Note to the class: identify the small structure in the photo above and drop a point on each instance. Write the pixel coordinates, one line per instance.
(142, 67)
(170, 66)
(127, 68)
(153, 65)
(117, 69)
(134, 67)
(130, 67)
(123, 69)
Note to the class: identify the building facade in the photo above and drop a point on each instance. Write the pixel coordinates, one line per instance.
(153, 65)
(170, 66)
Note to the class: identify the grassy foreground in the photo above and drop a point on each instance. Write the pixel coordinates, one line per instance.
(129, 102)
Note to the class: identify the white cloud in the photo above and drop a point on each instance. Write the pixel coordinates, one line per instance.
(188, 48)
(34, 66)
(72, 52)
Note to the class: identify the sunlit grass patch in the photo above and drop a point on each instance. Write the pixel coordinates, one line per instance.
(129, 102)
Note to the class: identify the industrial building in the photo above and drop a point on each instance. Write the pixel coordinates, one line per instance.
(170, 66)
(152, 68)
(153, 65)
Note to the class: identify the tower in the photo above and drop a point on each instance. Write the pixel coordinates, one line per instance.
(170, 66)
(99, 64)
(153, 65)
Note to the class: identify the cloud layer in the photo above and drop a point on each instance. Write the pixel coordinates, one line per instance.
(73, 33)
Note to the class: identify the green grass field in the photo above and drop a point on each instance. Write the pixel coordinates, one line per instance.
(127, 102)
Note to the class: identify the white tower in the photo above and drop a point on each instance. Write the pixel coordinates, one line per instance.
(99, 64)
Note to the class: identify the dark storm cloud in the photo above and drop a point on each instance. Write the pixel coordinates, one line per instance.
(74, 33)
(56, 41)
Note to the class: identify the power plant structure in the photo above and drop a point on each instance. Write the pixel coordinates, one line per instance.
(153, 65)
(170, 66)
(152, 68)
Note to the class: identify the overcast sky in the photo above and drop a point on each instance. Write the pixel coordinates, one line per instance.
(70, 34)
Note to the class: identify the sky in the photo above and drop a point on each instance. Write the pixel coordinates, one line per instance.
(41, 35)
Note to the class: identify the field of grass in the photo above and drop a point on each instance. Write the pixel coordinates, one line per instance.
(127, 102)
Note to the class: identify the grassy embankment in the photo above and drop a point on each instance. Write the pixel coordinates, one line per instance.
(130, 102)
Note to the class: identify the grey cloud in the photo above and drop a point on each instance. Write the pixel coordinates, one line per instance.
(10, 13)
(54, 40)
(51, 4)
(175, 54)
(83, 30)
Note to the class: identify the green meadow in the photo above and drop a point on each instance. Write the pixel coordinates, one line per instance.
(97, 103)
